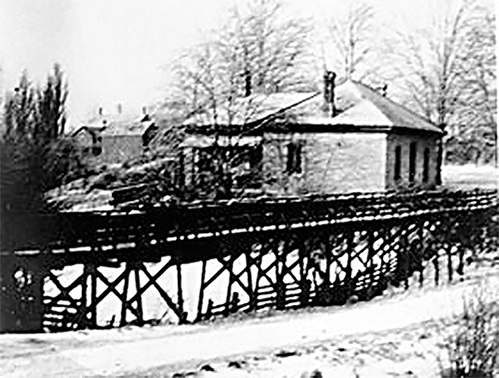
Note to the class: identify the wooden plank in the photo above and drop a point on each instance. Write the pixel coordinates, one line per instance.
(148, 284)
(111, 288)
(328, 247)
(228, 266)
(234, 277)
(125, 294)
(93, 295)
(180, 296)
(288, 270)
(161, 291)
(215, 275)
(201, 291)
(436, 267)
(249, 263)
(140, 311)
(82, 321)
(64, 292)
(263, 272)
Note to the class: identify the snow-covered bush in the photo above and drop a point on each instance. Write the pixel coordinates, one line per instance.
(474, 347)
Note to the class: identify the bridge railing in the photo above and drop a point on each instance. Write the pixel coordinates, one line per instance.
(158, 225)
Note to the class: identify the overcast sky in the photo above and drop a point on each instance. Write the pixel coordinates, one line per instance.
(117, 51)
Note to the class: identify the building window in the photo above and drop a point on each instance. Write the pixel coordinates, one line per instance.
(412, 161)
(294, 158)
(96, 150)
(396, 174)
(97, 145)
(426, 164)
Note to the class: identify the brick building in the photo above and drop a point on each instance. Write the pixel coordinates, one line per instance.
(351, 138)
(113, 140)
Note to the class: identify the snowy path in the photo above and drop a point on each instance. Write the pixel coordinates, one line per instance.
(118, 351)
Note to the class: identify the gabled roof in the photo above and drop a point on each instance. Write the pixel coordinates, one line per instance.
(126, 128)
(247, 110)
(94, 131)
(123, 126)
(359, 108)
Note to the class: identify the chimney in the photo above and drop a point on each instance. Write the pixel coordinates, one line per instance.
(384, 90)
(100, 111)
(144, 110)
(120, 108)
(329, 87)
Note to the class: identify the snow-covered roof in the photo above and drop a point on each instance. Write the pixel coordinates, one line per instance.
(126, 128)
(358, 107)
(122, 126)
(362, 106)
(244, 111)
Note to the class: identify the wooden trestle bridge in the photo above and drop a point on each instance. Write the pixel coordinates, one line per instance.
(261, 253)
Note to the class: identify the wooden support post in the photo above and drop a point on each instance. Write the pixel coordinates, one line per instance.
(93, 295)
(262, 272)
(349, 271)
(229, 268)
(125, 295)
(460, 267)
(259, 262)
(201, 291)
(161, 291)
(280, 286)
(421, 275)
(437, 268)
(403, 257)
(327, 251)
(372, 284)
(304, 284)
(83, 319)
(180, 295)
(421, 253)
(252, 294)
(449, 261)
(140, 312)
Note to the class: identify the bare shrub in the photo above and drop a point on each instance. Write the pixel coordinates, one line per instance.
(473, 348)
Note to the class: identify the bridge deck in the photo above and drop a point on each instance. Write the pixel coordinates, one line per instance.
(153, 232)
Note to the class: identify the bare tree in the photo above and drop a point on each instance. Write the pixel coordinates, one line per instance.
(258, 51)
(226, 80)
(448, 73)
(472, 134)
(353, 43)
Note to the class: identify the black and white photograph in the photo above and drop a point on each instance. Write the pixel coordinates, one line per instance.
(249, 188)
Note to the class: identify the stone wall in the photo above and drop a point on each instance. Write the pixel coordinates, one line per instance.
(331, 163)
(339, 162)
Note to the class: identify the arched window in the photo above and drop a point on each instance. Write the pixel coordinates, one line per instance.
(396, 170)
(412, 161)
(426, 164)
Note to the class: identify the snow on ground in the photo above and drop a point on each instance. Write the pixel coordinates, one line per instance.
(470, 176)
(394, 335)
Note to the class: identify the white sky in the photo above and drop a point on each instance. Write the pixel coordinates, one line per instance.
(117, 51)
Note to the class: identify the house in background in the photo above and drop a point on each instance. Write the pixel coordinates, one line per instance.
(117, 138)
(350, 138)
